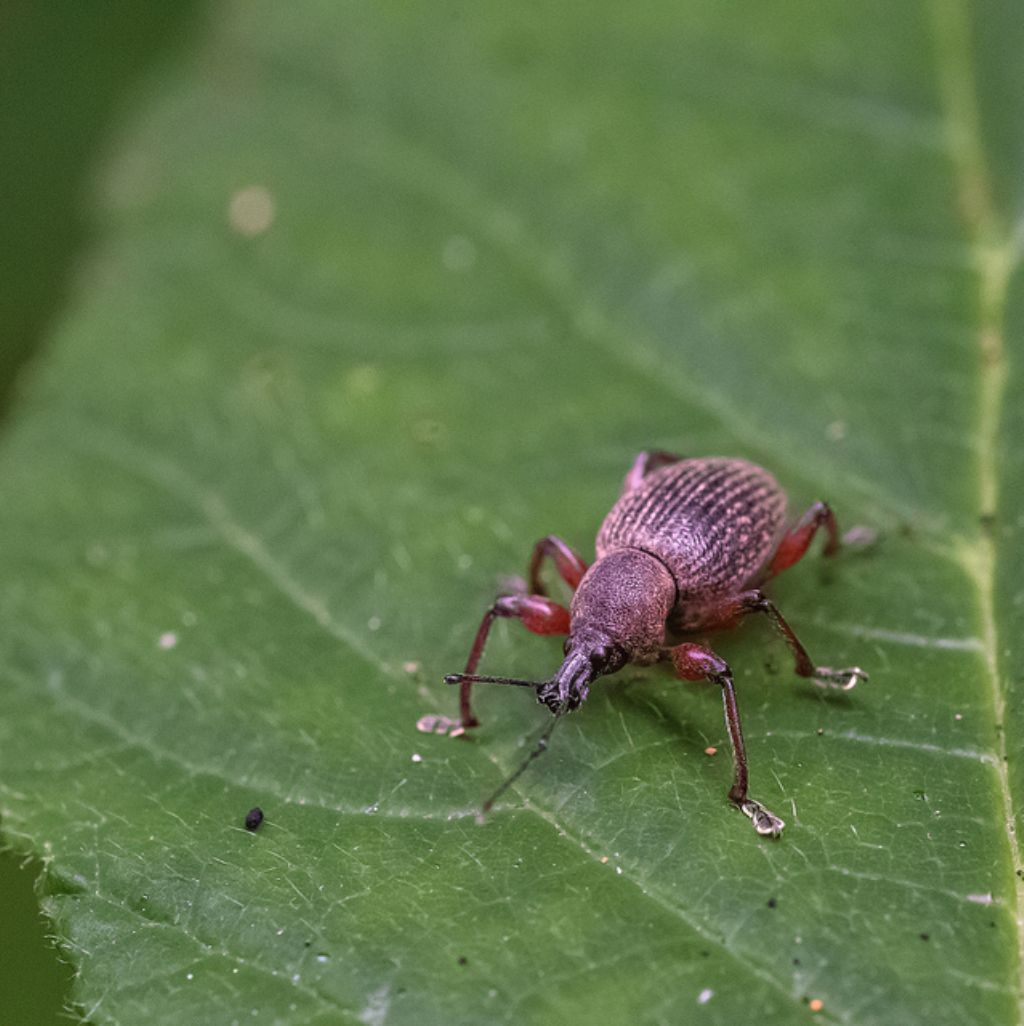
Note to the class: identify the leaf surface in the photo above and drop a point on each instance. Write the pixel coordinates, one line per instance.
(383, 294)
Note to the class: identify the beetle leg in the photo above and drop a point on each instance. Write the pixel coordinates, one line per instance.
(756, 601)
(795, 544)
(695, 662)
(568, 563)
(537, 613)
(797, 541)
(644, 464)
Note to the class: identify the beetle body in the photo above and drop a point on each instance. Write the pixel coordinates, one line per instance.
(713, 523)
(683, 552)
(694, 532)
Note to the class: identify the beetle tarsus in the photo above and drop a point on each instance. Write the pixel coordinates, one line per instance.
(766, 823)
(437, 723)
(860, 538)
(838, 680)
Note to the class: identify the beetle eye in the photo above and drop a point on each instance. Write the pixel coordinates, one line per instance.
(606, 658)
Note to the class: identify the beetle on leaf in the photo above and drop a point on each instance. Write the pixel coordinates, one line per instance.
(684, 552)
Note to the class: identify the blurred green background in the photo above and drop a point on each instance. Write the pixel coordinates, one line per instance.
(66, 69)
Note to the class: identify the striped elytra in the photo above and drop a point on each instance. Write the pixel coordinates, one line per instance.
(714, 523)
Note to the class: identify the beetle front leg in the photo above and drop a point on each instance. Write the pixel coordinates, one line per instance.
(538, 614)
(695, 662)
(568, 563)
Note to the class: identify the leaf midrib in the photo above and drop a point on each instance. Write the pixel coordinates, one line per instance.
(995, 247)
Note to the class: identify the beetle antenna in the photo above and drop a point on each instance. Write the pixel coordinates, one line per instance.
(475, 678)
(538, 749)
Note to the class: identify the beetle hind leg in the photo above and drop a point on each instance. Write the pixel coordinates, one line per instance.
(797, 540)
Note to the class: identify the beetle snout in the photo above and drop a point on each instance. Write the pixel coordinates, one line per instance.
(570, 686)
(549, 695)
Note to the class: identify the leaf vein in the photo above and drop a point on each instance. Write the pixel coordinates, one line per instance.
(995, 248)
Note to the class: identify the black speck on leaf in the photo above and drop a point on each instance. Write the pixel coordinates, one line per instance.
(253, 818)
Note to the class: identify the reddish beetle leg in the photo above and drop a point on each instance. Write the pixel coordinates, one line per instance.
(797, 541)
(538, 614)
(731, 610)
(695, 662)
(570, 566)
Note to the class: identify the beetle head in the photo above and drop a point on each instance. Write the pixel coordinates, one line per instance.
(588, 655)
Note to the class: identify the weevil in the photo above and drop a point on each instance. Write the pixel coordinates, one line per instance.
(683, 553)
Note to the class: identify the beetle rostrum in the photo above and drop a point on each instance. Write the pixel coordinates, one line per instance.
(682, 554)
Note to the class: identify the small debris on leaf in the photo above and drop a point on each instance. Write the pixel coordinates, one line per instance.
(253, 818)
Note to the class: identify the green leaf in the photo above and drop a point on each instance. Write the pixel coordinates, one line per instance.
(383, 293)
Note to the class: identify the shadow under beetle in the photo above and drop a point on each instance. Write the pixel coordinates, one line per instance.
(683, 552)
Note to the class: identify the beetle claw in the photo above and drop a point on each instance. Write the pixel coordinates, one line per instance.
(435, 723)
(860, 538)
(840, 680)
(766, 823)
(512, 584)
